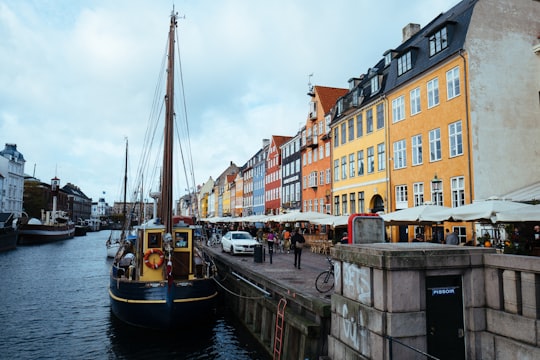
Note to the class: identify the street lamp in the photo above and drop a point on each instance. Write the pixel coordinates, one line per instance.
(436, 183)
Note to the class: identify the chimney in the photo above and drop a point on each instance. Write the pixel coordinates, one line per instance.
(265, 142)
(409, 30)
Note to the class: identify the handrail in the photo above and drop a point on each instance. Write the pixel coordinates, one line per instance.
(407, 346)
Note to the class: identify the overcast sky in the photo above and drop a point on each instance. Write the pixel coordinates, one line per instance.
(77, 77)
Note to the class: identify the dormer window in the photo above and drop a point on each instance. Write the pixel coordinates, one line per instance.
(374, 84)
(387, 58)
(340, 106)
(438, 41)
(404, 63)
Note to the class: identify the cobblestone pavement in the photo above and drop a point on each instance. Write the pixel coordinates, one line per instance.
(282, 269)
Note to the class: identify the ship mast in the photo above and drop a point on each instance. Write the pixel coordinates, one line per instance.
(167, 183)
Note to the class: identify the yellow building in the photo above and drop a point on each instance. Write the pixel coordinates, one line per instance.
(359, 170)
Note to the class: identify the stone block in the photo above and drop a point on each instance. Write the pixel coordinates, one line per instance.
(338, 279)
(404, 291)
(487, 347)
(401, 325)
(512, 291)
(493, 291)
(474, 292)
(530, 294)
(475, 319)
(357, 283)
(379, 289)
(512, 326)
(508, 349)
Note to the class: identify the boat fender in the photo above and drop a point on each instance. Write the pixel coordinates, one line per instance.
(153, 265)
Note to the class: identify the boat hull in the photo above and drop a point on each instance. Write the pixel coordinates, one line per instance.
(36, 234)
(112, 250)
(155, 305)
(8, 240)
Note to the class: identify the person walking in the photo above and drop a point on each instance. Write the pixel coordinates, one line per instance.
(297, 242)
(451, 238)
(271, 239)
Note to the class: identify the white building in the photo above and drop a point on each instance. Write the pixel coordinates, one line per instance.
(11, 180)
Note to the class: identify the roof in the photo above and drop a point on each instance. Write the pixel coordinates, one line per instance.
(328, 96)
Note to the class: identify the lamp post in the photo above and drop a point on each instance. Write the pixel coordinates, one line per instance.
(436, 183)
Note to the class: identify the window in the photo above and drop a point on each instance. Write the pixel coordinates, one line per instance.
(398, 109)
(415, 101)
(381, 156)
(343, 133)
(321, 177)
(336, 205)
(336, 136)
(438, 42)
(374, 84)
(369, 121)
(456, 139)
(437, 195)
(400, 154)
(401, 196)
(344, 204)
(343, 167)
(359, 127)
(328, 180)
(371, 159)
(452, 83)
(457, 185)
(336, 170)
(351, 165)
(350, 124)
(435, 145)
(312, 181)
(418, 193)
(404, 63)
(416, 150)
(361, 202)
(327, 149)
(380, 116)
(433, 92)
(360, 161)
(352, 202)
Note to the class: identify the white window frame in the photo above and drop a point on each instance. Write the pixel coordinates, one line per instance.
(457, 188)
(433, 93)
(455, 139)
(398, 109)
(415, 101)
(418, 193)
(416, 145)
(400, 154)
(435, 152)
(452, 83)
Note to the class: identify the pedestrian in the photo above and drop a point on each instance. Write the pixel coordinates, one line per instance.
(270, 240)
(287, 241)
(451, 237)
(536, 239)
(345, 238)
(297, 242)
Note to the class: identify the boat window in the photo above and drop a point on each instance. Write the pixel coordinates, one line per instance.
(180, 240)
(154, 240)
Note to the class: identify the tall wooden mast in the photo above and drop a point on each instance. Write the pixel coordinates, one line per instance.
(167, 183)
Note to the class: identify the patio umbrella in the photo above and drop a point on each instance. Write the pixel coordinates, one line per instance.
(527, 213)
(332, 220)
(418, 214)
(485, 210)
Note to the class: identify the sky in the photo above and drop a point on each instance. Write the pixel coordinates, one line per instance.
(77, 77)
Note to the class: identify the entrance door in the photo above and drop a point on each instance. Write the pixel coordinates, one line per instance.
(444, 317)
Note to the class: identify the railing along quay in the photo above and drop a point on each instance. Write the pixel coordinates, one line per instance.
(252, 290)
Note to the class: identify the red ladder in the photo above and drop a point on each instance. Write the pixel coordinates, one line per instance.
(278, 336)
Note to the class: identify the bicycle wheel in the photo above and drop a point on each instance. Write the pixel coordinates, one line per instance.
(324, 281)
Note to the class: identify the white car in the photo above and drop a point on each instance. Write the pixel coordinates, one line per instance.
(238, 242)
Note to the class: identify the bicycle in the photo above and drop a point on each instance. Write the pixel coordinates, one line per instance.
(325, 280)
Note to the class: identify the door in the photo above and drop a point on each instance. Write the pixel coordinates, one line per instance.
(444, 317)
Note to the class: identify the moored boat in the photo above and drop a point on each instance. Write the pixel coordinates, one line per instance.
(8, 231)
(54, 225)
(161, 278)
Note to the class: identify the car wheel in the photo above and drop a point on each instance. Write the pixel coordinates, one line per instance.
(232, 250)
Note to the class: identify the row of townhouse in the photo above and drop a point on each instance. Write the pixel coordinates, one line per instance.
(449, 116)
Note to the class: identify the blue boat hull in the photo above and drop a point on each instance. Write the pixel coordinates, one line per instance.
(155, 305)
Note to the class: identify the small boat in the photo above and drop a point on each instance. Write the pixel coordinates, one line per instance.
(162, 278)
(93, 224)
(54, 225)
(8, 231)
(113, 244)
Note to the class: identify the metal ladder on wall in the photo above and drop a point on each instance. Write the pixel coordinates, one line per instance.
(278, 335)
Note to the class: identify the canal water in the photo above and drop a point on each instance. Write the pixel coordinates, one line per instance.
(54, 304)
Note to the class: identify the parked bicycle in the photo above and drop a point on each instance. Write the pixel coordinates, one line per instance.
(325, 280)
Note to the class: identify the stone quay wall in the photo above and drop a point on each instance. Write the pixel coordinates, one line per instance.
(380, 296)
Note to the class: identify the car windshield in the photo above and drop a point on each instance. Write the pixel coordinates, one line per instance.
(240, 236)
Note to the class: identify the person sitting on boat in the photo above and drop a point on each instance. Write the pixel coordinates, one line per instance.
(125, 262)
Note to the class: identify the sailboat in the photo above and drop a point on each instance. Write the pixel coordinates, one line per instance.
(116, 238)
(161, 278)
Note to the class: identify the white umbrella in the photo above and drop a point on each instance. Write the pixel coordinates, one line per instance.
(484, 210)
(332, 220)
(417, 214)
(298, 216)
(528, 213)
